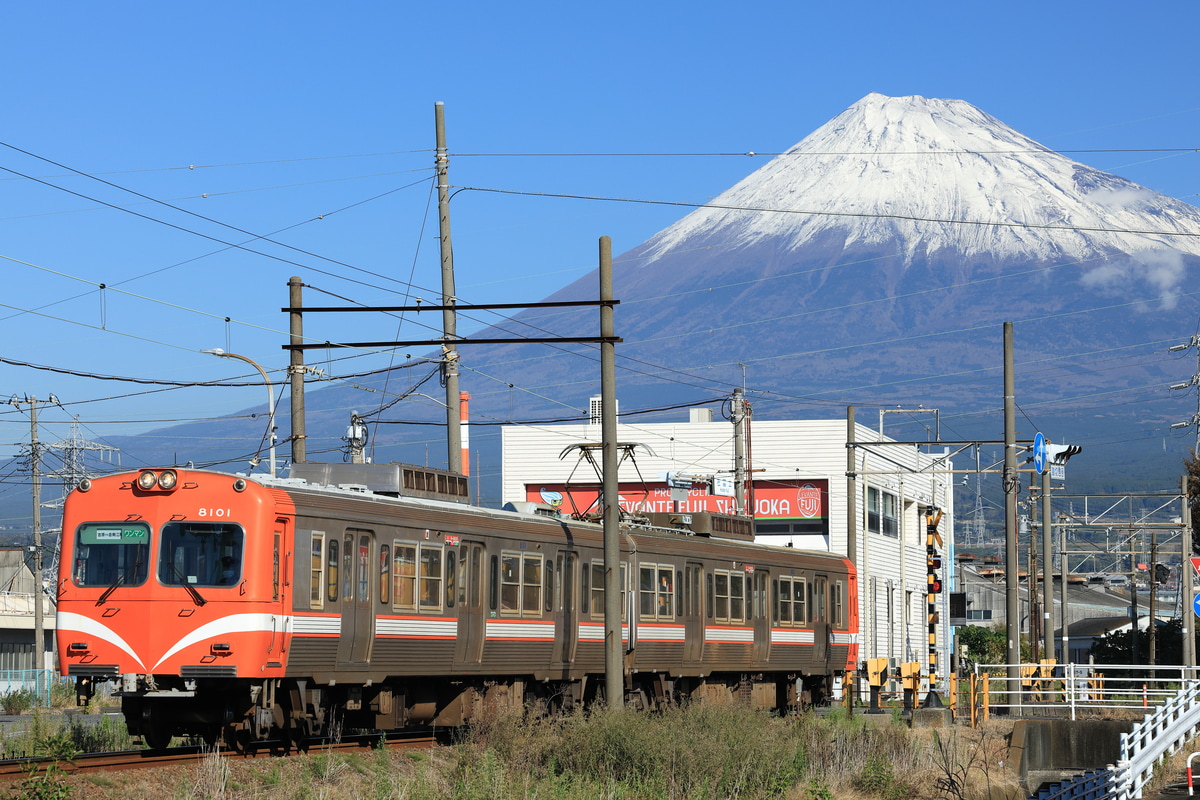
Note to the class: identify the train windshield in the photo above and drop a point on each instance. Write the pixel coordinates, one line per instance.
(200, 554)
(111, 553)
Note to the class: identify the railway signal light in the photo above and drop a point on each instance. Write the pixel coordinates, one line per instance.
(1161, 573)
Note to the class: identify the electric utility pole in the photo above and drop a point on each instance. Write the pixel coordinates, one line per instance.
(449, 318)
(35, 487)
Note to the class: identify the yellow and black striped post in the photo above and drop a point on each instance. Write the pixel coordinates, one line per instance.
(933, 563)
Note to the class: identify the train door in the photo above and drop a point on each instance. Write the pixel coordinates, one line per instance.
(280, 573)
(818, 603)
(358, 617)
(693, 613)
(468, 649)
(567, 617)
(761, 609)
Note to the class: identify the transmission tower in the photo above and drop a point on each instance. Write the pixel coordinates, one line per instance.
(73, 454)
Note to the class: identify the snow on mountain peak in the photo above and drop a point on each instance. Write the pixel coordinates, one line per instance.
(928, 175)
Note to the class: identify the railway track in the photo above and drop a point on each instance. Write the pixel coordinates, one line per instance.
(12, 769)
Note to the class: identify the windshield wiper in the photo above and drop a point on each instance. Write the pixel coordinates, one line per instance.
(120, 580)
(196, 598)
(104, 595)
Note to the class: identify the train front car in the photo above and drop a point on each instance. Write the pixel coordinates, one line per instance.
(171, 585)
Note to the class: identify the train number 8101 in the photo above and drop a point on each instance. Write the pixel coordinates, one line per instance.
(213, 512)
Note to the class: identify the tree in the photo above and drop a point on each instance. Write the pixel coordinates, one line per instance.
(1192, 465)
(984, 645)
(1114, 647)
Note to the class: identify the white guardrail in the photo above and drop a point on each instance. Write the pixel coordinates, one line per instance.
(1168, 695)
(1084, 687)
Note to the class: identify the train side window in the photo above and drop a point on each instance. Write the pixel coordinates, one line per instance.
(451, 578)
(385, 573)
(737, 597)
(597, 589)
(646, 606)
(230, 561)
(678, 600)
(721, 596)
(712, 598)
(817, 603)
(836, 605)
(332, 575)
(799, 609)
(510, 582)
(404, 576)
(549, 592)
(584, 592)
(431, 578)
(476, 574)
(364, 568)
(494, 583)
(348, 568)
(532, 583)
(316, 579)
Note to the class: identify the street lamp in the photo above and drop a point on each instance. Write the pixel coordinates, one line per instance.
(217, 351)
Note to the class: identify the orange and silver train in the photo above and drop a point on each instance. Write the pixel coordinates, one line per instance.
(246, 609)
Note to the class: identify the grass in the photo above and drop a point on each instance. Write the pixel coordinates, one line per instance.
(702, 752)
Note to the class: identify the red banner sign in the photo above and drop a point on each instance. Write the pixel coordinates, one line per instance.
(772, 500)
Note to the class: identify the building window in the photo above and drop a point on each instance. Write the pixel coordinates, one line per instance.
(981, 613)
(882, 515)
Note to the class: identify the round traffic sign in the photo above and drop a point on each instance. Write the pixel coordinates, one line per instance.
(1039, 453)
(1196, 605)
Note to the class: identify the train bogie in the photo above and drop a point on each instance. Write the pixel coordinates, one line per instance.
(226, 607)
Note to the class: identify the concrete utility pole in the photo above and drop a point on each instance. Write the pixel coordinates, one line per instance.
(1012, 485)
(1187, 579)
(738, 412)
(35, 488)
(614, 662)
(449, 318)
(296, 370)
(1047, 572)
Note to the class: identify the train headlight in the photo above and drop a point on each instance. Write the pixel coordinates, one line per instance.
(164, 480)
(239, 485)
(85, 485)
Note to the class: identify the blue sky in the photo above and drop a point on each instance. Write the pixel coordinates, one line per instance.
(312, 124)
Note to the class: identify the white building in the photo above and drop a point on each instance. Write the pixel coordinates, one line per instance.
(800, 489)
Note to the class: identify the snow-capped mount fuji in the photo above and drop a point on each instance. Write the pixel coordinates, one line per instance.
(938, 174)
(924, 178)
(876, 260)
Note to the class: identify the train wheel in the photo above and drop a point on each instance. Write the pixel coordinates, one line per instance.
(155, 732)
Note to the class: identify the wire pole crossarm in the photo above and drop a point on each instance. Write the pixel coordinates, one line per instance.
(457, 306)
(460, 341)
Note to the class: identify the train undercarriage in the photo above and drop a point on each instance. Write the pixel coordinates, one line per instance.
(288, 714)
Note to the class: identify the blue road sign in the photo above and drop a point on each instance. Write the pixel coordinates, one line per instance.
(1039, 453)
(1196, 605)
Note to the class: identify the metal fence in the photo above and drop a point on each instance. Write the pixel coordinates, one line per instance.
(1079, 688)
(38, 682)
